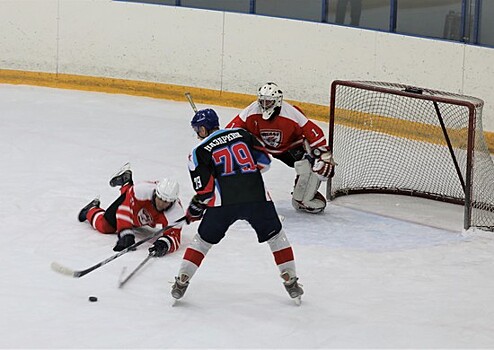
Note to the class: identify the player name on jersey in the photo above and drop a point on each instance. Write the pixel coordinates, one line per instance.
(222, 140)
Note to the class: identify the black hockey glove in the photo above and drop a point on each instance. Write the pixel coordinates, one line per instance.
(125, 239)
(195, 210)
(159, 248)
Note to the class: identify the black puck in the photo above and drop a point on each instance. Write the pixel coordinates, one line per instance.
(93, 299)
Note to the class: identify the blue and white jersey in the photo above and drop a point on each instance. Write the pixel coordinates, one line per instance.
(225, 168)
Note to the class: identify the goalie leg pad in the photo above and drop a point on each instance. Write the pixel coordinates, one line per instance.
(305, 195)
(303, 170)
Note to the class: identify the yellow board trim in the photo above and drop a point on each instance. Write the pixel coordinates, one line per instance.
(168, 92)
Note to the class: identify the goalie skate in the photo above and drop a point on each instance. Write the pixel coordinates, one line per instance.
(314, 206)
(122, 176)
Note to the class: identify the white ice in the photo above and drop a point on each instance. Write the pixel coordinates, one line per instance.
(378, 271)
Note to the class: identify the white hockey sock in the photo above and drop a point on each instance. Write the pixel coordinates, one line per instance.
(193, 256)
(282, 252)
(279, 242)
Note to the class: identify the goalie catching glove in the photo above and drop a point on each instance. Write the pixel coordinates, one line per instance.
(323, 170)
(195, 210)
(324, 163)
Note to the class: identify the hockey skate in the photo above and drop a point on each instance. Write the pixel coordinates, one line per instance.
(93, 204)
(294, 289)
(122, 177)
(180, 286)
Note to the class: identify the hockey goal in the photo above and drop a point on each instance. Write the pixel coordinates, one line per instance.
(399, 139)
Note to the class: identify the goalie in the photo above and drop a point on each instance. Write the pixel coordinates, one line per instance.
(291, 137)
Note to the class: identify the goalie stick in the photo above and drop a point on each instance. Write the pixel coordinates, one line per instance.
(79, 273)
(191, 101)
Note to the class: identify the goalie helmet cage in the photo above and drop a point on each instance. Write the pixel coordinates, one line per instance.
(399, 139)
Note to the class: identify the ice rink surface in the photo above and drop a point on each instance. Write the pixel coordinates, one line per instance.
(378, 271)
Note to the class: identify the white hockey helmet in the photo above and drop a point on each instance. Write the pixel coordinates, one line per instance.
(269, 97)
(167, 190)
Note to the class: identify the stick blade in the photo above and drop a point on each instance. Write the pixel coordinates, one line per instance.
(121, 280)
(62, 269)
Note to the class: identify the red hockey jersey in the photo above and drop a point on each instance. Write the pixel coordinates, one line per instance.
(282, 133)
(137, 210)
(141, 211)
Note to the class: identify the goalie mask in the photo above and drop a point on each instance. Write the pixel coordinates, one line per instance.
(269, 98)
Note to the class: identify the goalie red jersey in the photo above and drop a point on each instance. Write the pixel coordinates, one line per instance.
(292, 138)
(283, 133)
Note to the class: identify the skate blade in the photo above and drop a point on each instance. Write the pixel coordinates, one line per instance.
(298, 301)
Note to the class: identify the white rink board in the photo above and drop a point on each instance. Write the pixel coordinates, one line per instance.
(28, 35)
(141, 42)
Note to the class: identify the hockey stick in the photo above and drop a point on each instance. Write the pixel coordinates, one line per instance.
(192, 104)
(121, 283)
(79, 273)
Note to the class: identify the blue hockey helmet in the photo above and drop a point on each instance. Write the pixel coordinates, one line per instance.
(205, 117)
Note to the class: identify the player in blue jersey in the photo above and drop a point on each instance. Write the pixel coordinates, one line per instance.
(225, 169)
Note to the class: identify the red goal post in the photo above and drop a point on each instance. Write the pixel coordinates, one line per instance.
(399, 139)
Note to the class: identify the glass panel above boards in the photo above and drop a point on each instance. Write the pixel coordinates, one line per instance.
(430, 18)
(309, 10)
(371, 14)
(486, 23)
(242, 6)
(468, 21)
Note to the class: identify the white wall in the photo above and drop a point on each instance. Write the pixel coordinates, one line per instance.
(229, 51)
(28, 35)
